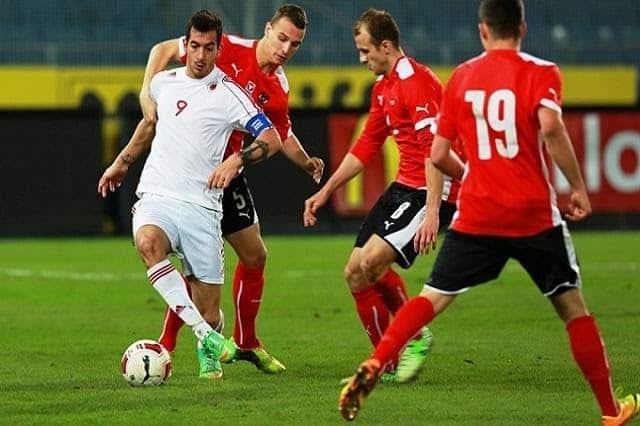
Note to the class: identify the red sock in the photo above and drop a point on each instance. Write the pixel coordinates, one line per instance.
(248, 284)
(172, 325)
(589, 352)
(408, 321)
(374, 315)
(392, 290)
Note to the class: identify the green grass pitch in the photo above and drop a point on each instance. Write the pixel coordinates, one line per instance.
(69, 308)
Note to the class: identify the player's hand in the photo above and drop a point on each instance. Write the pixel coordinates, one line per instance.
(315, 167)
(148, 106)
(579, 205)
(222, 175)
(311, 206)
(112, 178)
(427, 234)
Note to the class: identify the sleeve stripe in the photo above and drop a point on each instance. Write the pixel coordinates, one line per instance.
(551, 105)
(235, 88)
(425, 122)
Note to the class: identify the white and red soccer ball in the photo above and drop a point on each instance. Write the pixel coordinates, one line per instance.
(146, 363)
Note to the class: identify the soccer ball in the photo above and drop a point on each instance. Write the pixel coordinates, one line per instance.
(145, 363)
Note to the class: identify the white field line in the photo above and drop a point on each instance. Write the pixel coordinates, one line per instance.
(71, 275)
(291, 273)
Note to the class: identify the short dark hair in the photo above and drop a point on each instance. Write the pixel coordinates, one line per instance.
(380, 25)
(205, 21)
(503, 17)
(294, 13)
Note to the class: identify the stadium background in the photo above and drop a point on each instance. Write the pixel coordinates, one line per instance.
(70, 71)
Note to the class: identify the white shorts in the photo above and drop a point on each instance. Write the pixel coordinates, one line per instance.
(193, 231)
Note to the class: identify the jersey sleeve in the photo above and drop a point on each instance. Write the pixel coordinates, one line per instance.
(279, 115)
(422, 95)
(282, 123)
(445, 125)
(154, 86)
(243, 113)
(547, 90)
(375, 130)
(182, 50)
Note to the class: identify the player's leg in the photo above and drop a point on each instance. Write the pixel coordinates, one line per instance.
(463, 261)
(550, 260)
(372, 255)
(395, 220)
(587, 347)
(410, 319)
(391, 286)
(248, 283)
(392, 289)
(155, 233)
(241, 229)
(171, 326)
(590, 354)
(206, 297)
(199, 237)
(371, 309)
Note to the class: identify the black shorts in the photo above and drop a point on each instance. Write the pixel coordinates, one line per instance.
(238, 211)
(395, 218)
(467, 260)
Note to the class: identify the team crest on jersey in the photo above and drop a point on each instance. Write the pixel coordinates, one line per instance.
(251, 86)
(263, 98)
(212, 86)
(172, 74)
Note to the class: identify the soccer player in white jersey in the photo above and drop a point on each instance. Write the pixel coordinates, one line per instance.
(180, 188)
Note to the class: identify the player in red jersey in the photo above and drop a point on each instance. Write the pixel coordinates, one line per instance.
(257, 66)
(404, 103)
(499, 104)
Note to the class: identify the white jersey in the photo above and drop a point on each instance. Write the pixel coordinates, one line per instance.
(195, 120)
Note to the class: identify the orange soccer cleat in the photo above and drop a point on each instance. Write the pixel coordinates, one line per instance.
(358, 388)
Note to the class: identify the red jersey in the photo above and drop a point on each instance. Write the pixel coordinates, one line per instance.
(491, 104)
(403, 105)
(237, 58)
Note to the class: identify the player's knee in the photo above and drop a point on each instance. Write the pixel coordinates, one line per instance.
(371, 268)
(150, 249)
(255, 259)
(354, 278)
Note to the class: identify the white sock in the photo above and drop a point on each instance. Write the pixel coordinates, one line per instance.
(169, 283)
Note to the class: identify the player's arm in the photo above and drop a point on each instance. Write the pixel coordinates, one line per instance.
(295, 152)
(348, 168)
(265, 145)
(138, 144)
(427, 233)
(445, 159)
(160, 56)
(559, 147)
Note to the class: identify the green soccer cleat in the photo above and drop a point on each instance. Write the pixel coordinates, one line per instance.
(263, 361)
(629, 406)
(213, 349)
(414, 356)
(359, 387)
(210, 367)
